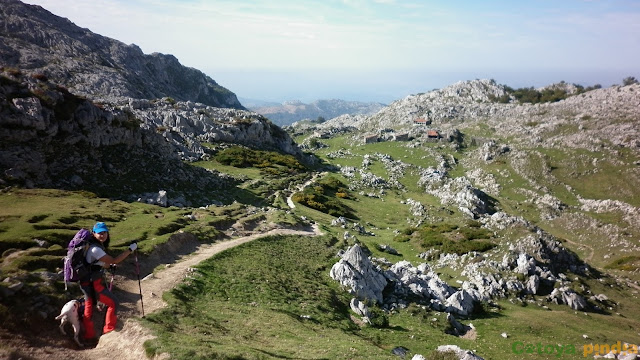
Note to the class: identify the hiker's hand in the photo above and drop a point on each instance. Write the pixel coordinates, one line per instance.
(133, 247)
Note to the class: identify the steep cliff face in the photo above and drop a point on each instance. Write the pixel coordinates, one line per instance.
(33, 39)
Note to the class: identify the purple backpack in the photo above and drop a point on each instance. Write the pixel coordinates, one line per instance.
(76, 266)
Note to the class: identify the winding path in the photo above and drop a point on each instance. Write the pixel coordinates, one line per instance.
(290, 202)
(126, 342)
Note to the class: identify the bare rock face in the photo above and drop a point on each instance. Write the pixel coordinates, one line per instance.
(187, 124)
(359, 275)
(52, 138)
(461, 303)
(565, 295)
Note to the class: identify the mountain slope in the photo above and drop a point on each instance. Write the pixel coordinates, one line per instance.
(571, 167)
(33, 39)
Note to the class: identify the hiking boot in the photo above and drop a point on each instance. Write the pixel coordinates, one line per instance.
(90, 342)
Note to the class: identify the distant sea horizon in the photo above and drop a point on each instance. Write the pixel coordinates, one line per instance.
(387, 86)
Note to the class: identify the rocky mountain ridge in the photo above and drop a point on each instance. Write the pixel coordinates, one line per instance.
(36, 41)
(608, 113)
(291, 111)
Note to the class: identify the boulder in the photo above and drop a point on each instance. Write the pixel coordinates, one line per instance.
(460, 353)
(458, 329)
(460, 303)
(532, 285)
(566, 295)
(355, 271)
(360, 308)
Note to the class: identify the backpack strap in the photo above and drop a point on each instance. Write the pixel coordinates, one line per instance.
(93, 268)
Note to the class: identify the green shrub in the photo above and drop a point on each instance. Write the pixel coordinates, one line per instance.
(379, 318)
(449, 238)
(270, 162)
(322, 196)
(402, 238)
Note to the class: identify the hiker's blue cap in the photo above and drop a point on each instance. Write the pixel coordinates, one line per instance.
(100, 227)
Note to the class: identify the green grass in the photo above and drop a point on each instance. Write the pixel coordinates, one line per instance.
(252, 313)
(449, 238)
(596, 175)
(234, 309)
(629, 263)
(55, 216)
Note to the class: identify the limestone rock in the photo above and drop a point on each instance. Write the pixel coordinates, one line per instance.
(356, 272)
(460, 303)
(460, 353)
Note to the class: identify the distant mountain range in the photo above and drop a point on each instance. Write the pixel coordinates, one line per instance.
(289, 112)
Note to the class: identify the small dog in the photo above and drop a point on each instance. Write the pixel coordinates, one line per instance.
(70, 313)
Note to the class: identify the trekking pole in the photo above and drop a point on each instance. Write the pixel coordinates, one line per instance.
(112, 270)
(135, 254)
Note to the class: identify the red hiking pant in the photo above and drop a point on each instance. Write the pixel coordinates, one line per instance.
(95, 291)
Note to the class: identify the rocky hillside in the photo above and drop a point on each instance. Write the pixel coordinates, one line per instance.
(562, 165)
(34, 40)
(601, 115)
(291, 111)
(52, 138)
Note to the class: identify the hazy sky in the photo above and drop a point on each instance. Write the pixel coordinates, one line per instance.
(374, 50)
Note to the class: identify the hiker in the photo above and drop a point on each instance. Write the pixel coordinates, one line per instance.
(93, 287)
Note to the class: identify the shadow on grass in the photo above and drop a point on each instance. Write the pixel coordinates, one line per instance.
(277, 356)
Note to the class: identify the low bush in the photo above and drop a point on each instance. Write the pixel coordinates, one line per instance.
(450, 238)
(325, 196)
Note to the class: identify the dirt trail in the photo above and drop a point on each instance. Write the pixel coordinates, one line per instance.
(126, 342)
(290, 202)
(578, 245)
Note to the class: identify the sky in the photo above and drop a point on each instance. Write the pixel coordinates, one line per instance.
(374, 50)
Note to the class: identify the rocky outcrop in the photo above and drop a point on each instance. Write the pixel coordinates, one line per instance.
(402, 283)
(468, 103)
(52, 138)
(460, 353)
(36, 41)
(458, 191)
(566, 295)
(356, 272)
(186, 125)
